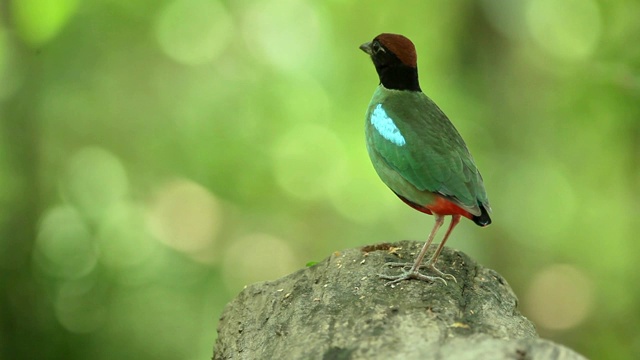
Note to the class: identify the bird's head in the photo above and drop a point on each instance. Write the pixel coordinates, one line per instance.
(395, 59)
(390, 50)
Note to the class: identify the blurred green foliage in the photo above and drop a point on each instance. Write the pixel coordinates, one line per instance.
(156, 156)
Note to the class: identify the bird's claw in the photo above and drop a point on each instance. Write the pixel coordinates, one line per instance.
(414, 274)
(442, 274)
(407, 275)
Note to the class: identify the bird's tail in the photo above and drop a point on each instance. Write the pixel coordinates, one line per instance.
(483, 219)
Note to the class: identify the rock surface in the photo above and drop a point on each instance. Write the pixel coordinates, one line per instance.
(340, 309)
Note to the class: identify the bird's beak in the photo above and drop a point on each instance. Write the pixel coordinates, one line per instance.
(366, 47)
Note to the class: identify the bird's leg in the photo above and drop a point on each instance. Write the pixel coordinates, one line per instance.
(455, 219)
(413, 273)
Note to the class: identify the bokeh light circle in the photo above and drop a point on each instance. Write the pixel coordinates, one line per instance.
(194, 32)
(39, 21)
(309, 161)
(184, 216)
(361, 198)
(559, 297)
(569, 29)
(257, 257)
(285, 33)
(95, 180)
(123, 237)
(65, 247)
(77, 308)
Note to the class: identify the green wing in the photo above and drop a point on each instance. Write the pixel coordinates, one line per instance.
(433, 156)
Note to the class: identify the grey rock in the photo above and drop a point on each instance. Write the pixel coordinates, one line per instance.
(339, 309)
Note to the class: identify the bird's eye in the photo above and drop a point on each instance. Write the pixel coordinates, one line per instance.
(377, 48)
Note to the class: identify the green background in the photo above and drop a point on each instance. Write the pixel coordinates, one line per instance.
(156, 156)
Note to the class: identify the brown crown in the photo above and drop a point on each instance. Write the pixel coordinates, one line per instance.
(401, 46)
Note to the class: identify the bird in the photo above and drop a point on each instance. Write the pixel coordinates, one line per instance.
(418, 153)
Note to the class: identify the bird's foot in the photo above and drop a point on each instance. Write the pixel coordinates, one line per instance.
(441, 273)
(415, 274)
(408, 275)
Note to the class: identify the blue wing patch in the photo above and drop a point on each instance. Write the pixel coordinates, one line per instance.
(386, 127)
